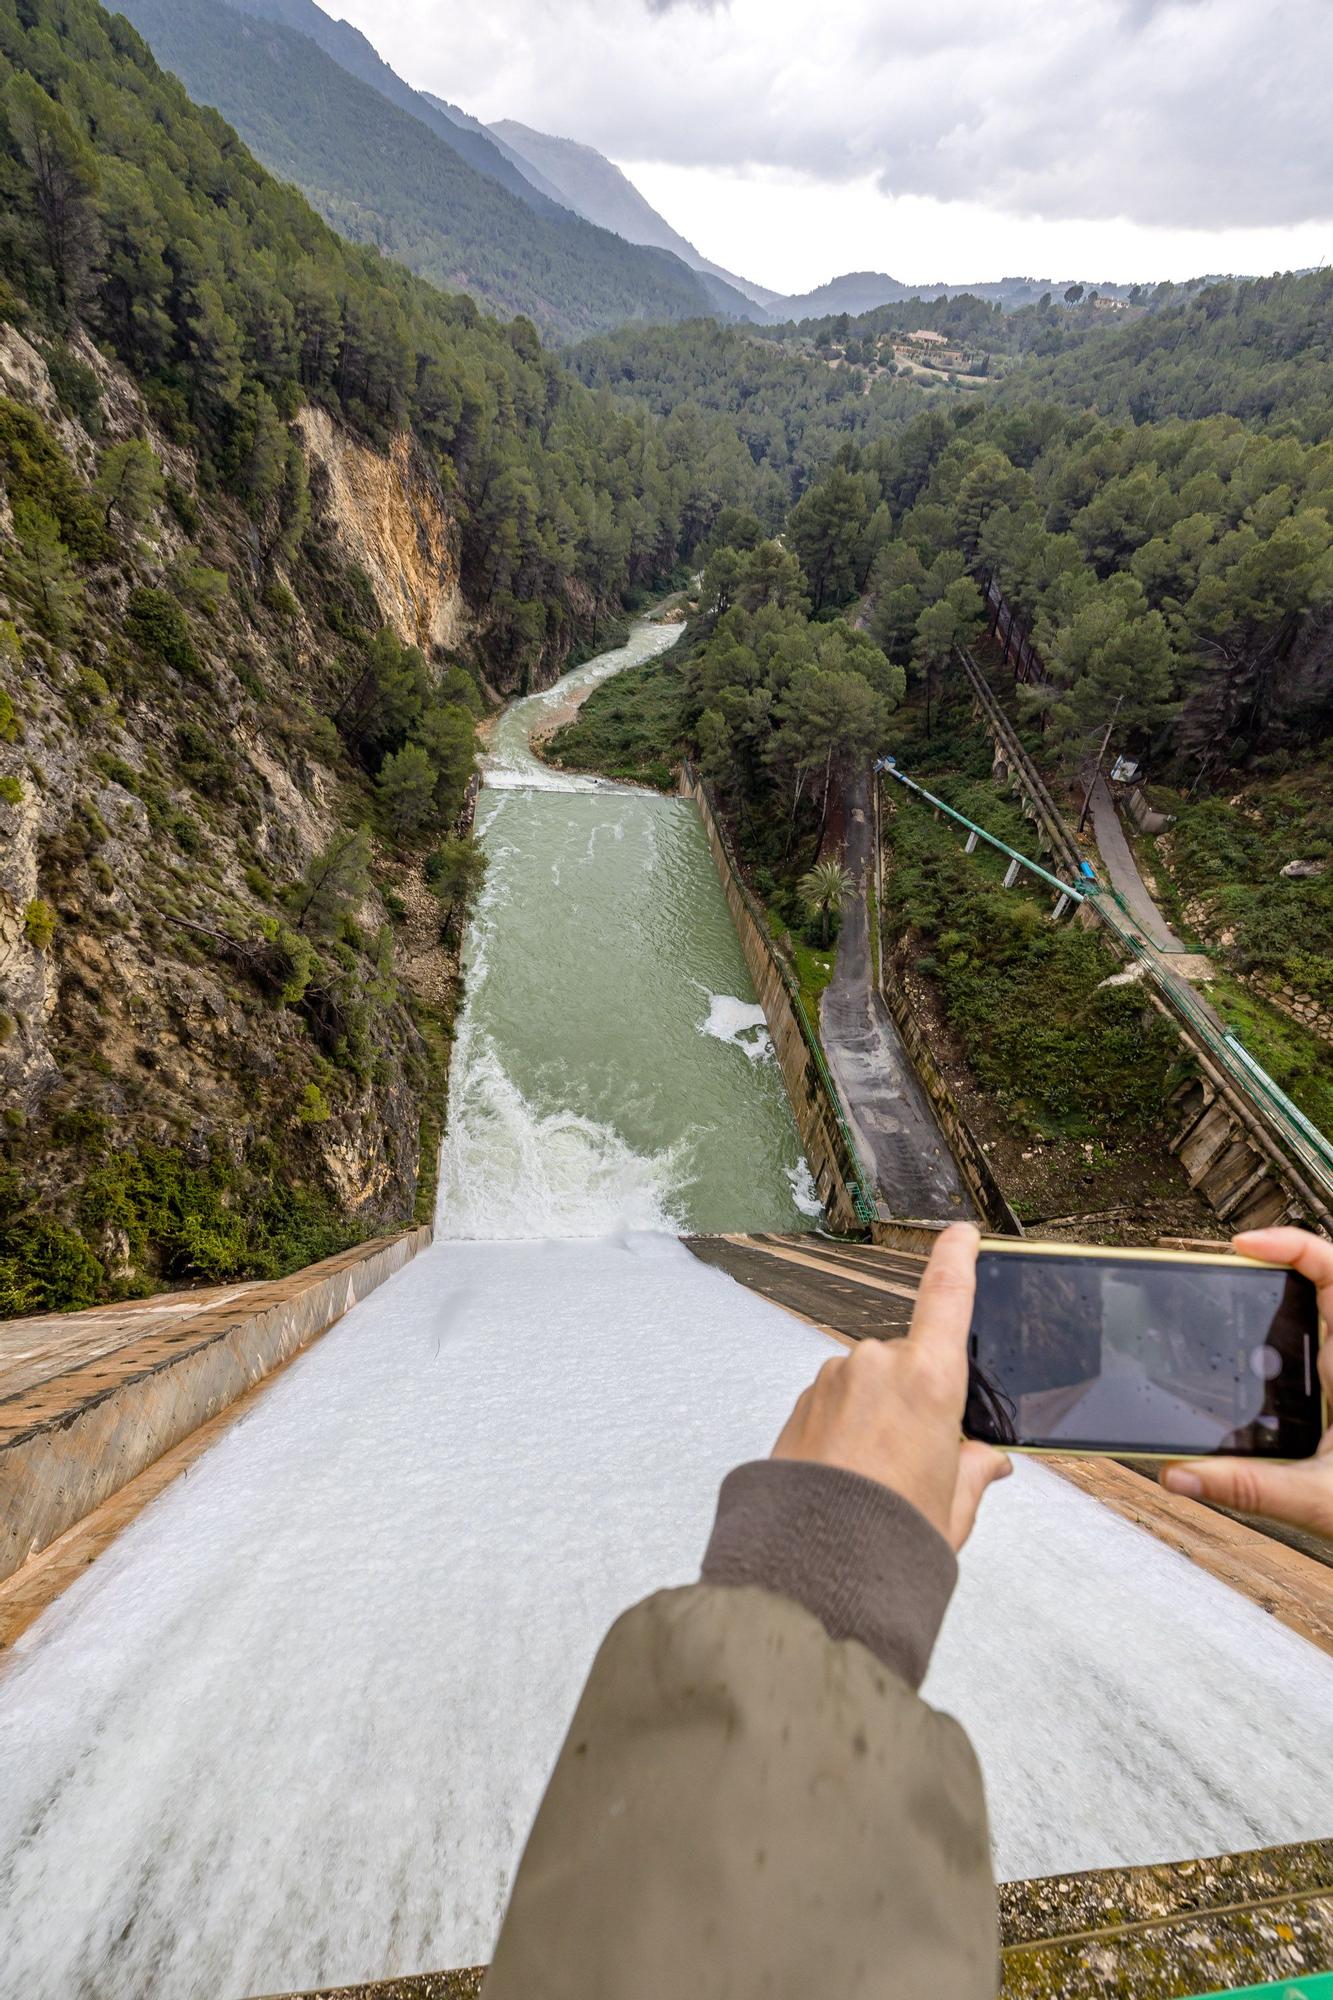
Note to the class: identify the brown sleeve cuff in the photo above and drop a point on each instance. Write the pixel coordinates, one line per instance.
(857, 1555)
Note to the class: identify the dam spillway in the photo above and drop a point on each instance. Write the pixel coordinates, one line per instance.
(291, 1729)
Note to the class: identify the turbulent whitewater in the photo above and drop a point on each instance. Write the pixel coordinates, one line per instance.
(291, 1729)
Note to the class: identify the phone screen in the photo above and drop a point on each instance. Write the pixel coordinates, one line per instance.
(1081, 1352)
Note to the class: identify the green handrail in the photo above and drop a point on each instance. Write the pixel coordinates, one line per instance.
(1302, 1986)
(890, 768)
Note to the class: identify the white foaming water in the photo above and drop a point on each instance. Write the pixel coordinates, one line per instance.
(803, 1190)
(741, 1023)
(509, 1171)
(291, 1729)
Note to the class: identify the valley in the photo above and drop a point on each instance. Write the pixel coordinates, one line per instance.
(562, 812)
(355, 1531)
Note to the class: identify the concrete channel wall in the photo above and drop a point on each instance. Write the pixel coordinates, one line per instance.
(988, 1197)
(818, 1117)
(77, 1435)
(976, 1170)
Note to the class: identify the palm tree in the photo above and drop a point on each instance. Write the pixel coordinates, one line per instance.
(825, 888)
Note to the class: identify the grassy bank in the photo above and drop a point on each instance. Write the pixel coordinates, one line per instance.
(632, 727)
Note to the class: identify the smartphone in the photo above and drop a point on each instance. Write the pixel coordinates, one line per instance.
(1145, 1353)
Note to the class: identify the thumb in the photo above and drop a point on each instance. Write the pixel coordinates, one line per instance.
(1301, 1495)
(979, 1466)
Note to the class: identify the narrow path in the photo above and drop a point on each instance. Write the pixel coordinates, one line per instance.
(1123, 870)
(900, 1143)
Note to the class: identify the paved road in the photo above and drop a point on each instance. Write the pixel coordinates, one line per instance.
(1123, 870)
(900, 1144)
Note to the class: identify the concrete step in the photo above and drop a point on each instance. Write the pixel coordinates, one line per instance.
(1157, 1933)
(1162, 1932)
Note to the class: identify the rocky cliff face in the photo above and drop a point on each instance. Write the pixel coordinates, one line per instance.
(389, 514)
(193, 1080)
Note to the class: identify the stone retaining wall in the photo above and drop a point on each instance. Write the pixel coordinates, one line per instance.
(818, 1117)
(77, 1437)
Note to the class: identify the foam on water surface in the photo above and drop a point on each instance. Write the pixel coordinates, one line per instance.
(740, 1022)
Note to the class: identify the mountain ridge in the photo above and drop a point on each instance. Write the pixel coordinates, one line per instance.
(383, 175)
(352, 51)
(603, 193)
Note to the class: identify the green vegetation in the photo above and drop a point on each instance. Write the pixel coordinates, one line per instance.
(1183, 570)
(793, 414)
(1297, 1061)
(813, 965)
(187, 1223)
(779, 705)
(39, 924)
(632, 727)
(1225, 862)
(1059, 1053)
(1260, 350)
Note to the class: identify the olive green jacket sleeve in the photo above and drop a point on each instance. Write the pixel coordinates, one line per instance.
(753, 1800)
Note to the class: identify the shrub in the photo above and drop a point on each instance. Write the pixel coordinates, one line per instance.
(161, 630)
(44, 1265)
(203, 763)
(314, 1109)
(37, 473)
(183, 506)
(288, 962)
(11, 791)
(39, 924)
(76, 385)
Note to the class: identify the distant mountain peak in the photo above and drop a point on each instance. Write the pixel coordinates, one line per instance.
(599, 190)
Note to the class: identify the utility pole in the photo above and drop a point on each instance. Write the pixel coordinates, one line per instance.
(1097, 767)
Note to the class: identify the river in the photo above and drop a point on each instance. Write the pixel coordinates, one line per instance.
(291, 1728)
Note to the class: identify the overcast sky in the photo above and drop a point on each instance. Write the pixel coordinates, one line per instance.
(793, 139)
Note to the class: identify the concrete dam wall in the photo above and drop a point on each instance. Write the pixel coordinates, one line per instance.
(95, 1398)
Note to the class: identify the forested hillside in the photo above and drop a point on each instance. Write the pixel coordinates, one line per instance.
(791, 412)
(275, 516)
(382, 175)
(1260, 350)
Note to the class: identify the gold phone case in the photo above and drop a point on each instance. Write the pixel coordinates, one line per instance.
(1031, 1247)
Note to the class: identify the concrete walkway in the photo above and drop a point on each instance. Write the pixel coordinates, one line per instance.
(1123, 870)
(901, 1146)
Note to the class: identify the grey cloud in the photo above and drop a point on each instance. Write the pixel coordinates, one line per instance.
(1184, 113)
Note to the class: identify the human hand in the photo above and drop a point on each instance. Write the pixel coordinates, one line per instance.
(1301, 1495)
(892, 1410)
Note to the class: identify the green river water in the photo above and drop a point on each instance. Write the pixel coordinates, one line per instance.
(613, 1070)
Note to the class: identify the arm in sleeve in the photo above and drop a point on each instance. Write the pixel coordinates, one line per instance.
(753, 1799)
